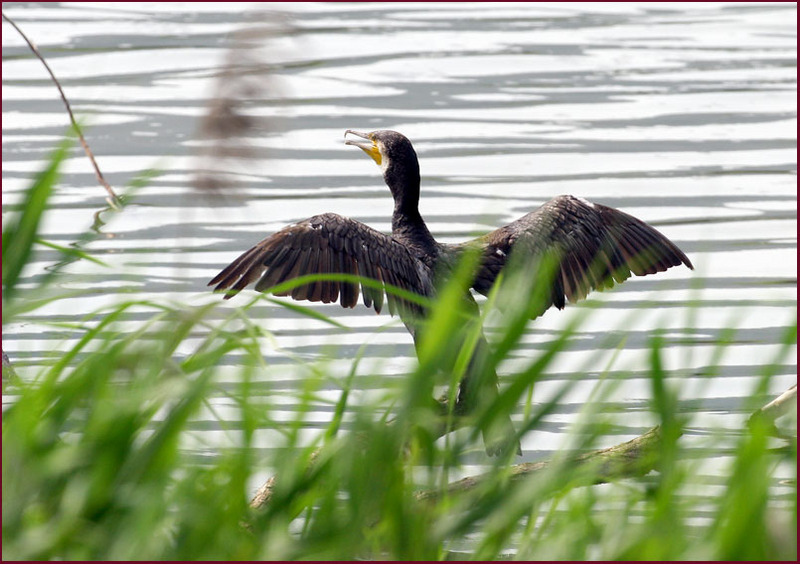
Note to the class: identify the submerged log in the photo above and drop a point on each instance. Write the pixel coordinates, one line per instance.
(630, 459)
(633, 458)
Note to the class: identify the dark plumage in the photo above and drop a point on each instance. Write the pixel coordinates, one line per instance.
(592, 246)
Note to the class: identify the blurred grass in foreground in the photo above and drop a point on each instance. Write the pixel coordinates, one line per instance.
(93, 464)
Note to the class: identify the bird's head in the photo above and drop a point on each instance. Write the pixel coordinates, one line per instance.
(398, 161)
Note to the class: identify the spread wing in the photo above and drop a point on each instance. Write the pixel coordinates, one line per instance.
(592, 247)
(329, 244)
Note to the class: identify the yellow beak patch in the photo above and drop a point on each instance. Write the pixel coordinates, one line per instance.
(372, 151)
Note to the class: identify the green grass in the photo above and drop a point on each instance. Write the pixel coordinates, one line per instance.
(95, 464)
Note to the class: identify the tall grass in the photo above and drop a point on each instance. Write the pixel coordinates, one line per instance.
(95, 464)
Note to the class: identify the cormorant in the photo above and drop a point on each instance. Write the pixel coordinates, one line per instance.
(591, 245)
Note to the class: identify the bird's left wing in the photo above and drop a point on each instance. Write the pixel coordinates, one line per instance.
(591, 245)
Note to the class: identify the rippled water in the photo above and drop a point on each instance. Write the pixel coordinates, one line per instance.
(683, 115)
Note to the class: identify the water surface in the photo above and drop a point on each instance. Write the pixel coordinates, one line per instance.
(681, 114)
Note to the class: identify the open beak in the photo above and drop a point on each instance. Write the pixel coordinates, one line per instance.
(370, 148)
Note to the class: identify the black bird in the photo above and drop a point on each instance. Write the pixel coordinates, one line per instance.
(590, 245)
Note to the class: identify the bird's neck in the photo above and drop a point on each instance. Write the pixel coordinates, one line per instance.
(408, 226)
(407, 223)
(406, 219)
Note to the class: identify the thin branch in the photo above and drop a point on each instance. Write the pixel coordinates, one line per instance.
(113, 199)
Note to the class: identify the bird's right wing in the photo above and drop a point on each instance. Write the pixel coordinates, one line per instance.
(329, 244)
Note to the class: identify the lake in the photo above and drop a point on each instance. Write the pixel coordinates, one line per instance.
(684, 115)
